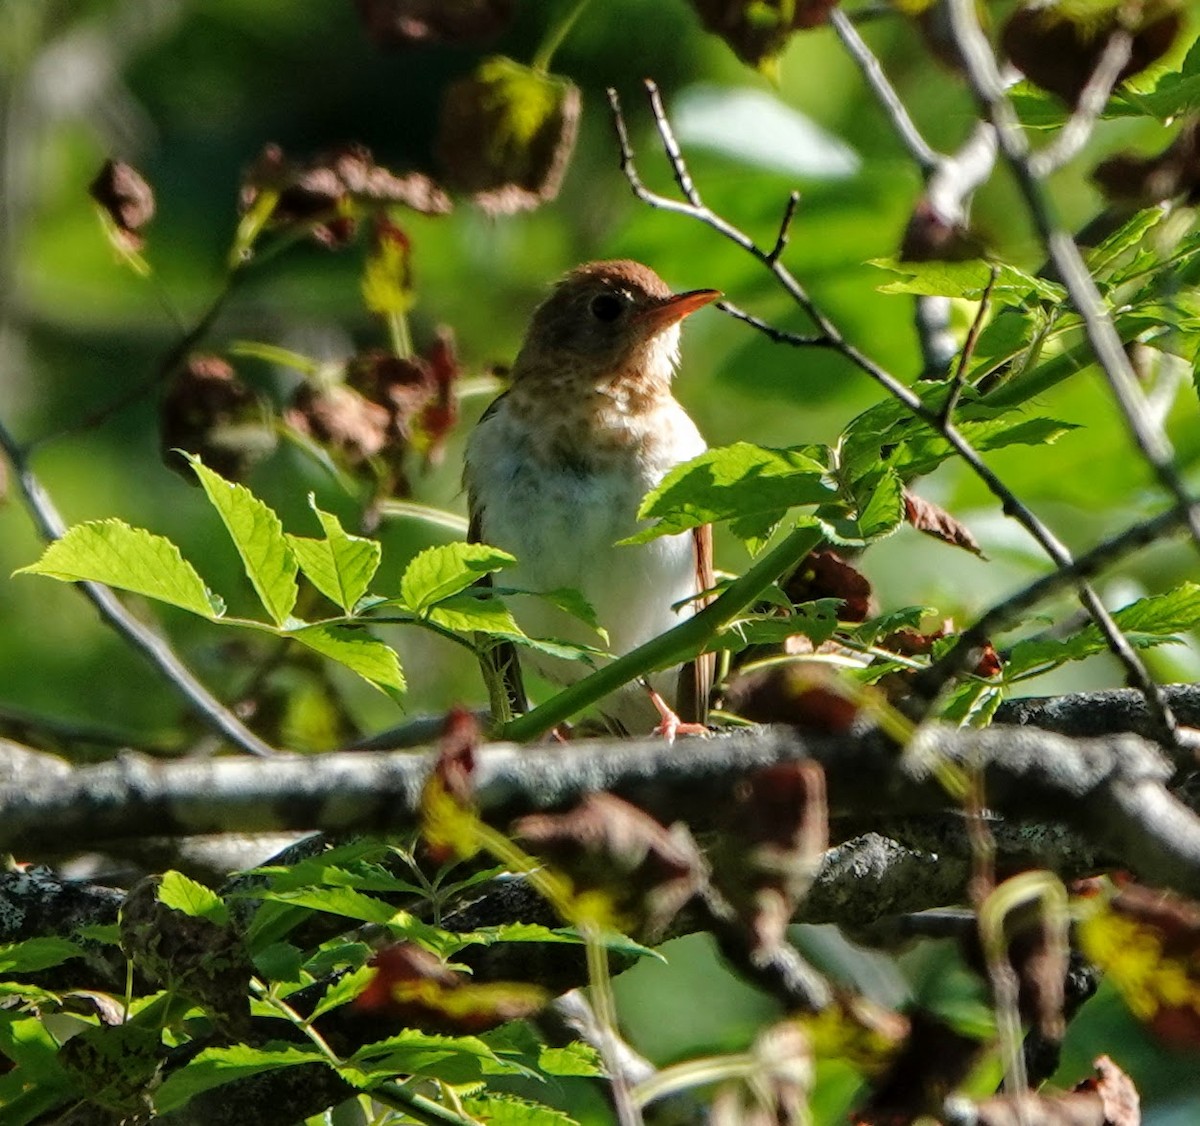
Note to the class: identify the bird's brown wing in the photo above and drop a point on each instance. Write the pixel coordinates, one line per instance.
(696, 677)
(501, 666)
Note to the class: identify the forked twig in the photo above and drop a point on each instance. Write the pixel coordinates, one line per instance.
(1092, 100)
(968, 348)
(985, 81)
(830, 336)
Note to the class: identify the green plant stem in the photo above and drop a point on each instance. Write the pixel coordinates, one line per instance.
(555, 36)
(399, 336)
(670, 648)
(418, 1107)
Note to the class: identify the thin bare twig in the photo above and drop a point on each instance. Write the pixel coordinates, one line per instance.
(968, 348)
(927, 160)
(988, 88)
(155, 648)
(785, 226)
(1092, 100)
(693, 207)
(777, 335)
(1009, 611)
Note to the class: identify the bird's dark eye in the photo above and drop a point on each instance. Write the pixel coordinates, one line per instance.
(606, 307)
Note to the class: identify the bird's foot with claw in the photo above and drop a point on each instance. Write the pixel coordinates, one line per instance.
(670, 725)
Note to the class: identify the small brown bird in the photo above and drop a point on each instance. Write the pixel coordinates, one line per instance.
(558, 465)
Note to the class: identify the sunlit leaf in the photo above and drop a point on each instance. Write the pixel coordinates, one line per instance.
(734, 482)
(440, 572)
(374, 661)
(968, 279)
(37, 954)
(113, 553)
(183, 894)
(340, 566)
(258, 536)
(1156, 620)
(214, 1067)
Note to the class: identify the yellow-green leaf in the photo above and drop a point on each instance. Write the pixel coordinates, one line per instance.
(340, 566)
(258, 536)
(113, 553)
(440, 572)
(375, 662)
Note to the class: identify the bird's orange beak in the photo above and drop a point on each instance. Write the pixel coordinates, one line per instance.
(674, 308)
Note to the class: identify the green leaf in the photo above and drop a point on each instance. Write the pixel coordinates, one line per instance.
(925, 451)
(113, 553)
(972, 704)
(1102, 259)
(940, 278)
(816, 620)
(36, 954)
(183, 894)
(340, 566)
(734, 482)
(566, 599)
(508, 1110)
(879, 510)
(335, 901)
(214, 1067)
(280, 961)
(23, 1104)
(441, 572)
(575, 1058)
(27, 1042)
(469, 611)
(1156, 620)
(453, 1059)
(907, 618)
(344, 990)
(374, 661)
(258, 536)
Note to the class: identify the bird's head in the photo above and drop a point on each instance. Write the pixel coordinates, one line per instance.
(605, 323)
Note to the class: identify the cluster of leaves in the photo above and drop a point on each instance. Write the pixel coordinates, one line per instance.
(434, 591)
(269, 977)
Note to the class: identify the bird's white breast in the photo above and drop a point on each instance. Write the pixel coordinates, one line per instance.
(562, 520)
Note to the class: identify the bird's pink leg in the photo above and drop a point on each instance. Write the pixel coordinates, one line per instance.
(670, 724)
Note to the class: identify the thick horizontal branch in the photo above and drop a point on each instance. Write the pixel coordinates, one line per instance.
(1111, 790)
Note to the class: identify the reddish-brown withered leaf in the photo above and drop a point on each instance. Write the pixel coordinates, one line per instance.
(935, 521)
(506, 135)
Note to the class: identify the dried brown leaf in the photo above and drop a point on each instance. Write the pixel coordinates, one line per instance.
(339, 418)
(506, 134)
(207, 410)
(647, 871)
(935, 521)
(1145, 181)
(826, 574)
(804, 696)
(758, 30)
(332, 189)
(414, 988)
(931, 237)
(126, 198)
(775, 835)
